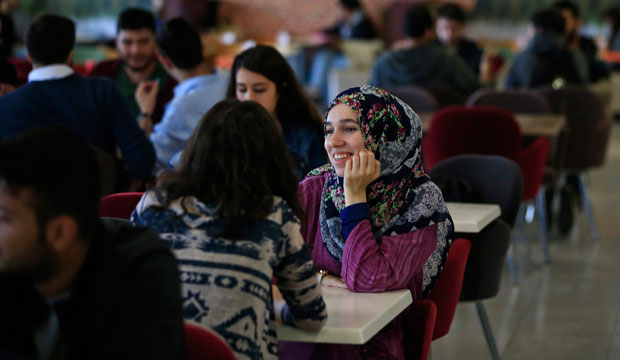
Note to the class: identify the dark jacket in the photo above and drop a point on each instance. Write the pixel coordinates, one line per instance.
(110, 69)
(422, 65)
(125, 303)
(92, 108)
(544, 59)
(470, 53)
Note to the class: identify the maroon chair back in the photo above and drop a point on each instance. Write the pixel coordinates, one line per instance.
(203, 344)
(484, 130)
(511, 100)
(457, 130)
(420, 100)
(418, 328)
(119, 205)
(447, 289)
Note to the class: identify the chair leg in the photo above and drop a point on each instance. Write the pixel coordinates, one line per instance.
(517, 237)
(513, 269)
(587, 205)
(486, 327)
(542, 224)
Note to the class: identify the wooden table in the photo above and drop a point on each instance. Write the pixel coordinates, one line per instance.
(471, 218)
(352, 318)
(548, 125)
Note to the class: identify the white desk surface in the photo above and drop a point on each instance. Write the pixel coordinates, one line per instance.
(352, 318)
(471, 218)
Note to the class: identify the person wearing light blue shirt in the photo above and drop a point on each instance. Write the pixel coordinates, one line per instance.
(199, 88)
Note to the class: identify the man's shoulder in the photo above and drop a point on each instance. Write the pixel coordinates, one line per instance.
(107, 68)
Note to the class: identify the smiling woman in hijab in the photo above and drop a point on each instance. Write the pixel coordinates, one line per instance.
(374, 220)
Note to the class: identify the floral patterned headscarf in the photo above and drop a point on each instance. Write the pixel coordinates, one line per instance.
(403, 198)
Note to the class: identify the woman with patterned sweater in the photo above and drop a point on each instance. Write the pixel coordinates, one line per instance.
(231, 215)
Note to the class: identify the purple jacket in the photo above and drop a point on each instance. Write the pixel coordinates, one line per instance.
(367, 266)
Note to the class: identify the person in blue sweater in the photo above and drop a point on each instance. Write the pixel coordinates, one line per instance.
(92, 108)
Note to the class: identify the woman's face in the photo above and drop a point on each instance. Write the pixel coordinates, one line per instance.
(254, 86)
(343, 137)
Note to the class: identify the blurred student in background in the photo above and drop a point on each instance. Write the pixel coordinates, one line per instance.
(199, 88)
(138, 68)
(262, 74)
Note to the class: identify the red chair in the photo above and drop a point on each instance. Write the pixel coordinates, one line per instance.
(203, 344)
(119, 205)
(447, 290)
(418, 327)
(458, 130)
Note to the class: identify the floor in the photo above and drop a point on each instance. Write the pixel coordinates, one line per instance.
(569, 309)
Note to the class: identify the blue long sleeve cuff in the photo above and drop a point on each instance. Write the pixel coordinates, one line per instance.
(351, 215)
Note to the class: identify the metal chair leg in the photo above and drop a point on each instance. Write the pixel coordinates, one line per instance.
(486, 327)
(542, 224)
(513, 269)
(587, 205)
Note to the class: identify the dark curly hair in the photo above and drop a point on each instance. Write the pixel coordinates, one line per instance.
(293, 104)
(237, 161)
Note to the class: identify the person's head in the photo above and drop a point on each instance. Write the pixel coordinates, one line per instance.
(50, 40)
(8, 6)
(549, 20)
(348, 7)
(49, 194)
(370, 118)
(135, 38)
(179, 44)
(263, 75)
(418, 22)
(570, 12)
(237, 161)
(450, 25)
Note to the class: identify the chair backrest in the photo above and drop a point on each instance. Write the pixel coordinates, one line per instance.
(119, 205)
(420, 100)
(512, 100)
(589, 125)
(445, 95)
(494, 179)
(447, 289)
(418, 327)
(203, 344)
(458, 130)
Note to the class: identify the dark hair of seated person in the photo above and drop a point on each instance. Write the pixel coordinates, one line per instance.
(293, 105)
(567, 5)
(180, 41)
(451, 11)
(60, 172)
(237, 161)
(50, 39)
(350, 4)
(136, 19)
(418, 19)
(549, 20)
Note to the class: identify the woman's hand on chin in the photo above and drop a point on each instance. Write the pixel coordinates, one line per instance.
(360, 170)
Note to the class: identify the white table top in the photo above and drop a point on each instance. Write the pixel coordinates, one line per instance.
(471, 218)
(352, 318)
